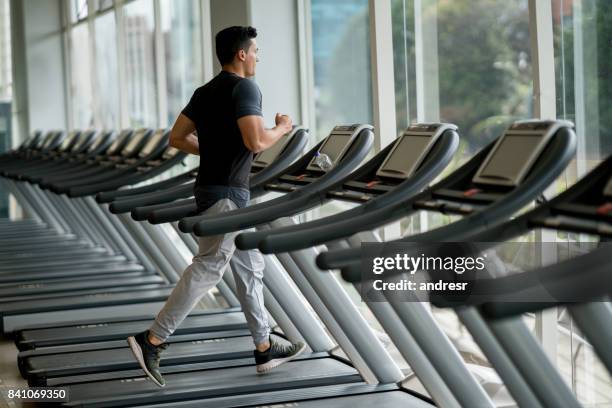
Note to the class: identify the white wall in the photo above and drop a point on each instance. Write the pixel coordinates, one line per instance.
(278, 69)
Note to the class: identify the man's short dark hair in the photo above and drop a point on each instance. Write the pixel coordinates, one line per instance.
(231, 40)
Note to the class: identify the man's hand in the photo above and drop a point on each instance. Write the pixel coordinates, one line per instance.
(284, 122)
(256, 137)
(182, 136)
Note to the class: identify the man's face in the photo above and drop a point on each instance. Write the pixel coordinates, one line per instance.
(250, 59)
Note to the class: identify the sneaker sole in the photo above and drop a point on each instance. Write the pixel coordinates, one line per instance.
(137, 351)
(272, 364)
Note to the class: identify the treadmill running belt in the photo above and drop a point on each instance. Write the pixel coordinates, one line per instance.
(93, 361)
(219, 382)
(116, 331)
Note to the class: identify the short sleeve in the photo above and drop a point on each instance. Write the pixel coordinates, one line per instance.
(192, 107)
(247, 99)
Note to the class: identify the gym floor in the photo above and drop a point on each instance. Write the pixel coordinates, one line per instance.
(9, 374)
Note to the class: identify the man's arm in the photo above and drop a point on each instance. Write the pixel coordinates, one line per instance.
(256, 137)
(182, 136)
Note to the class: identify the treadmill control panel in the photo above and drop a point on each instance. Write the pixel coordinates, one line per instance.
(266, 157)
(337, 144)
(515, 153)
(608, 189)
(411, 149)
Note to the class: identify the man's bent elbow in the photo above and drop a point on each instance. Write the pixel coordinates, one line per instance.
(253, 146)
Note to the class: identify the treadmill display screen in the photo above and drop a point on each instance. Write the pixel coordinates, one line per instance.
(50, 139)
(118, 142)
(511, 159)
(134, 142)
(68, 140)
(269, 155)
(608, 189)
(151, 144)
(335, 145)
(405, 156)
(85, 137)
(99, 140)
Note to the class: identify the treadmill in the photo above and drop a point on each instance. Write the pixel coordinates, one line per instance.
(486, 190)
(329, 370)
(581, 283)
(21, 311)
(109, 144)
(265, 167)
(41, 364)
(436, 154)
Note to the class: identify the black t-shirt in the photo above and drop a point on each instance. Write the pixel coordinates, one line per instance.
(215, 109)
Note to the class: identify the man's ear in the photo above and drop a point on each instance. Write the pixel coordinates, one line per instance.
(242, 55)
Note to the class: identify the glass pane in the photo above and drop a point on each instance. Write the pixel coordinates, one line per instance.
(105, 4)
(582, 34)
(107, 77)
(78, 10)
(6, 72)
(479, 82)
(80, 87)
(140, 63)
(341, 54)
(181, 31)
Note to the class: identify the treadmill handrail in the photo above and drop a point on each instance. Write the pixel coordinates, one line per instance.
(322, 230)
(109, 196)
(593, 283)
(299, 200)
(144, 200)
(546, 171)
(288, 155)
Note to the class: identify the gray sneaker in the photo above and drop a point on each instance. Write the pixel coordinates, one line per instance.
(276, 355)
(148, 356)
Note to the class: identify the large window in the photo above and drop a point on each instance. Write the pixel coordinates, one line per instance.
(180, 26)
(78, 10)
(474, 66)
(341, 53)
(81, 79)
(107, 84)
(583, 62)
(139, 27)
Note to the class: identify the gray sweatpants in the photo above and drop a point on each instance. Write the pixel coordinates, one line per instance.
(206, 271)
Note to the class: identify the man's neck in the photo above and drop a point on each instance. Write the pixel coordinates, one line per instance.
(237, 70)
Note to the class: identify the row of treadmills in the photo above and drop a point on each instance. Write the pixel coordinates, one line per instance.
(98, 253)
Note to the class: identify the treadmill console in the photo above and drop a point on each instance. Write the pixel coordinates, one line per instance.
(170, 152)
(402, 160)
(118, 142)
(134, 142)
(337, 144)
(102, 137)
(516, 151)
(86, 136)
(51, 138)
(608, 189)
(264, 158)
(67, 143)
(155, 140)
(411, 149)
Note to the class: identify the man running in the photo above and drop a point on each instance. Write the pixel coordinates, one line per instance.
(226, 113)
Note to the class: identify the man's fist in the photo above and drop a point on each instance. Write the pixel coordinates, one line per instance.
(284, 122)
